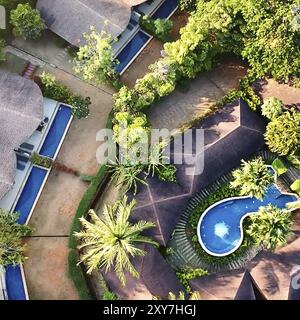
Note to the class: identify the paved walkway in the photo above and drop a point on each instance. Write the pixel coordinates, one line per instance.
(178, 108)
(46, 269)
(271, 88)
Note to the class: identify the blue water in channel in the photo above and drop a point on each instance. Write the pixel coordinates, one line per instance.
(131, 49)
(30, 193)
(56, 132)
(164, 11)
(140, 39)
(220, 228)
(37, 176)
(14, 283)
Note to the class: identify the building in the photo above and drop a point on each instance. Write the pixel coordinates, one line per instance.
(21, 112)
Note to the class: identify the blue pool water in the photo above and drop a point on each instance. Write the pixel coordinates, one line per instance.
(14, 283)
(30, 192)
(164, 11)
(219, 229)
(56, 132)
(131, 49)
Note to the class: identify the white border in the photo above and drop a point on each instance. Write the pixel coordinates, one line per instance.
(241, 220)
(24, 282)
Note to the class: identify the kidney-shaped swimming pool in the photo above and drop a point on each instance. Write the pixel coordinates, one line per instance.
(220, 229)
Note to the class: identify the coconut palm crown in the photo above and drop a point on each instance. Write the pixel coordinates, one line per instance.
(253, 178)
(110, 241)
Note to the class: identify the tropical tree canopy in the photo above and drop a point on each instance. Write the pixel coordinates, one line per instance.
(27, 22)
(110, 241)
(253, 178)
(270, 227)
(95, 60)
(283, 134)
(127, 175)
(11, 232)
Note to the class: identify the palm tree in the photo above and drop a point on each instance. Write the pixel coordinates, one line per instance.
(270, 227)
(110, 241)
(253, 178)
(127, 175)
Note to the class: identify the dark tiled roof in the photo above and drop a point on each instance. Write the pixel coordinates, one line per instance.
(219, 286)
(157, 278)
(232, 134)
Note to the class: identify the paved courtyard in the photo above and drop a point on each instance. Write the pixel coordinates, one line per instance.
(180, 107)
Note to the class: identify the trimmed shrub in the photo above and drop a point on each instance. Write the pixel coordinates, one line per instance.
(41, 161)
(27, 22)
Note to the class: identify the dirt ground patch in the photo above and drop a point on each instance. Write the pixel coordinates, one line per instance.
(46, 269)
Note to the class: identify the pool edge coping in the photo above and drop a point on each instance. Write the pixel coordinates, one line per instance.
(241, 220)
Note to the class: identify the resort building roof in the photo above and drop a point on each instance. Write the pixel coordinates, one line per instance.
(71, 18)
(21, 111)
(157, 278)
(269, 276)
(232, 134)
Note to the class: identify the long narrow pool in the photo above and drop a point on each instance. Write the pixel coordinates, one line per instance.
(166, 9)
(131, 50)
(220, 230)
(56, 132)
(30, 193)
(14, 283)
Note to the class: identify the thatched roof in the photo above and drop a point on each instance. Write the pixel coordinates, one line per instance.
(232, 134)
(21, 111)
(70, 19)
(157, 278)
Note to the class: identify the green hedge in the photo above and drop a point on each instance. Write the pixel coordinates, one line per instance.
(76, 274)
(86, 203)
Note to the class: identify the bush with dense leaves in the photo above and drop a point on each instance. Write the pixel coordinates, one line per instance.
(283, 134)
(272, 108)
(12, 249)
(54, 90)
(185, 276)
(40, 160)
(159, 28)
(27, 22)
